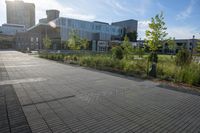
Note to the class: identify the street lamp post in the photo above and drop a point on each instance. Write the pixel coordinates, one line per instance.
(192, 44)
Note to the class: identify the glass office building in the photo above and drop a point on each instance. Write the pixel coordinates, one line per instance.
(85, 29)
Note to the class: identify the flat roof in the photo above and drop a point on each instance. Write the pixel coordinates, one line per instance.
(125, 21)
(14, 25)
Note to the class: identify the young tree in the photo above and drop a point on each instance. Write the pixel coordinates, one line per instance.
(155, 37)
(183, 57)
(47, 42)
(85, 43)
(127, 47)
(76, 43)
(117, 52)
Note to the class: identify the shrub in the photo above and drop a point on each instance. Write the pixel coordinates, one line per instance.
(189, 74)
(50, 56)
(183, 57)
(117, 52)
(166, 70)
(66, 58)
(128, 67)
(74, 58)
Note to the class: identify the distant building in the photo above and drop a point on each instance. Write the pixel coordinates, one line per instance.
(99, 34)
(19, 12)
(11, 29)
(189, 44)
(90, 30)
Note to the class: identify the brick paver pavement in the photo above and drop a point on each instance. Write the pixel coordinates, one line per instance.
(46, 96)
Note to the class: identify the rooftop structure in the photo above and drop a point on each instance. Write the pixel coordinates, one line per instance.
(51, 15)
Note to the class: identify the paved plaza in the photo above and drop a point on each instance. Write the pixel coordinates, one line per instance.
(42, 96)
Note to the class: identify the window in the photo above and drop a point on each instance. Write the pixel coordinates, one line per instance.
(114, 30)
(98, 27)
(107, 29)
(92, 25)
(63, 22)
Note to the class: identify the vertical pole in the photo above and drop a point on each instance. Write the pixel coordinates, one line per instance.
(192, 44)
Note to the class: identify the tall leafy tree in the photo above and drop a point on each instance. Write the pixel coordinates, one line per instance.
(155, 37)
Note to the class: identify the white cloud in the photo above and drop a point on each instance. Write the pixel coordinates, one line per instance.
(121, 7)
(186, 12)
(142, 27)
(65, 10)
(186, 32)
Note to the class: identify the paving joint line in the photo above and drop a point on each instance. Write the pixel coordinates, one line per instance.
(52, 100)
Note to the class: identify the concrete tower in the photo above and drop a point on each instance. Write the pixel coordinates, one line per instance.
(19, 12)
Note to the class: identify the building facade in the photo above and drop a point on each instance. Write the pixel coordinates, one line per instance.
(84, 29)
(19, 12)
(59, 29)
(12, 29)
(32, 39)
(189, 44)
(98, 33)
(128, 25)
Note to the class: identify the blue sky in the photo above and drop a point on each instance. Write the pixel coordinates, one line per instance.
(182, 16)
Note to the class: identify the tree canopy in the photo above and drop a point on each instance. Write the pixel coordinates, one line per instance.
(157, 32)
